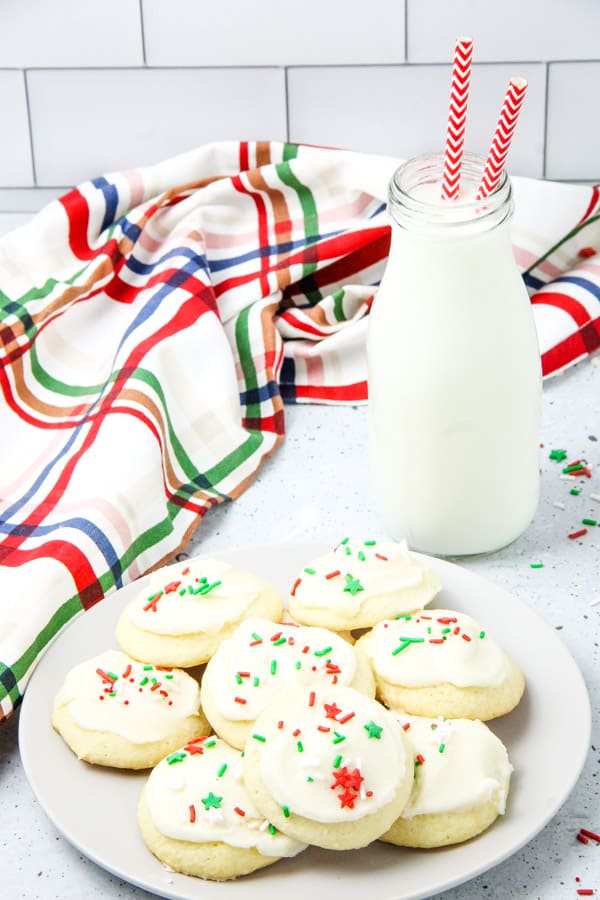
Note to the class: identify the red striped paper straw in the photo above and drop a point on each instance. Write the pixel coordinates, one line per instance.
(507, 122)
(457, 117)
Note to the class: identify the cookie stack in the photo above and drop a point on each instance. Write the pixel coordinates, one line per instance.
(359, 718)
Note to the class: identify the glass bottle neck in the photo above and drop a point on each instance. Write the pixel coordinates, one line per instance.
(416, 204)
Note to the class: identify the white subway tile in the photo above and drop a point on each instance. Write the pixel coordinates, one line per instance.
(27, 200)
(15, 149)
(535, 30)
(402, 110)
(70, 33)
(236, 32)
(573, 133)
(88, 122)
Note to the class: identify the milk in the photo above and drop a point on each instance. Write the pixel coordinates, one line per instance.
(454, 372)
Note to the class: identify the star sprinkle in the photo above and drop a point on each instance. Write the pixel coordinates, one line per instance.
(331, 710)
(353, 585)
(373, 730)
(347, 799)
(211, 800)
(213, 816)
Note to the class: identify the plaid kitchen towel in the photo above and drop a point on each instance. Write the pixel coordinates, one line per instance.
(153, 323)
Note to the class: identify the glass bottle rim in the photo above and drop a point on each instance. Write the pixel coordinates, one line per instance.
(409, 210)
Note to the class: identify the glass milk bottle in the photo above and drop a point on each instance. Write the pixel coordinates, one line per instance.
(454, 369)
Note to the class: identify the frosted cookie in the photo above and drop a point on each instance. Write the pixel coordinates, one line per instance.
(114, 711)
(441, 662)
(328, 766)
(359, 583)
(197, 817)
(187, 609)
(462, 775)
(261, 659)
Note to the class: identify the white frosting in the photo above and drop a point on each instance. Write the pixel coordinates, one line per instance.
(261, 658)
(333, 755)
(439, 646)
(356, 571)
(180, 600)
(460, 765)
(142, 703)
(198, 795)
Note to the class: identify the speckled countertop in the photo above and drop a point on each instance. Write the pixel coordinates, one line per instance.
(284, 504)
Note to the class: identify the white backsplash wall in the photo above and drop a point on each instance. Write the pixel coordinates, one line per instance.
(87, 88)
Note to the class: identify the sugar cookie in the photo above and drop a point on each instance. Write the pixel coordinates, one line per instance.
(197, 817)
(261, 659)
(462, 776)
(188, 608)
(328, 766)
(114, 711)
(359, 583)
(441, 662)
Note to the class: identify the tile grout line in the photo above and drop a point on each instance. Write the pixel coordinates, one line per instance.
(142, 34)
(287, 105)
(546, 104)
(30, 128)
(405, 31)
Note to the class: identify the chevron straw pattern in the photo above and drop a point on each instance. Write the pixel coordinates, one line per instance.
(457, 117)
(507, 122)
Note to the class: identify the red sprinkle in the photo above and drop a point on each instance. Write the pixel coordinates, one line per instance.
(406, 726)
(333, 574)
(456, 630)
(127, 671)
(275, 637)
(585, 892)
(465, 637)
(254, 643)
(192, 813)
(155, 687)
(239, 700)
(305, 649)
(311, 698)
(295, 587)
(590, 834)
(420, 759)
(582, 839)
(296, 732)
(244, 674)
(186, 571)
(346, 718)
(171, 587)
(380, 556)
(280, 724)
(239, 811)
(586, 252)
(437, 640)
(446, 620)
(577, 534)
(322, 728)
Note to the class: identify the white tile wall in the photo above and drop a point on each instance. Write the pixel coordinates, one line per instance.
(236, 32)
(15, 149)
(573, 124)
(513, 30)
(86, 88)
(70, 33)
(335, 106)
(103, 120)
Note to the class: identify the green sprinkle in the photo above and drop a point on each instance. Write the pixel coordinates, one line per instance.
(278, 643)
(298, 664)
(446, 630)
(256, 636)
(584, 521)
(348, 551)
(285, 810)
(300, 746)
(310, 571)
(273, 667)
(574, 468)
(256, 680)
(238, 678)
(210, 587)
(441, 748)
(406, 642)
(361, 556)
(112, 694)
(148, 668)
(482, 634)
(144, 681)
(353, 585)
(536, 565)
(222, 770)
(272, 829)
(429, 629)
(309, 779)
(154, 680)
(211, 800)
(112, 676)
(181, 592)
(168, 677)
(259, 737)
(373, 730)
(210, 743)
(195, 590)
(176, 757)
(575, 492)
(344, 540)
(558, 455)
(339, 737)
(405, 616)
(370, 543)
(323, 652)
(337, 761)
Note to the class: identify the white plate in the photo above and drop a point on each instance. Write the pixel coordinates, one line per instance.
(547, 737)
